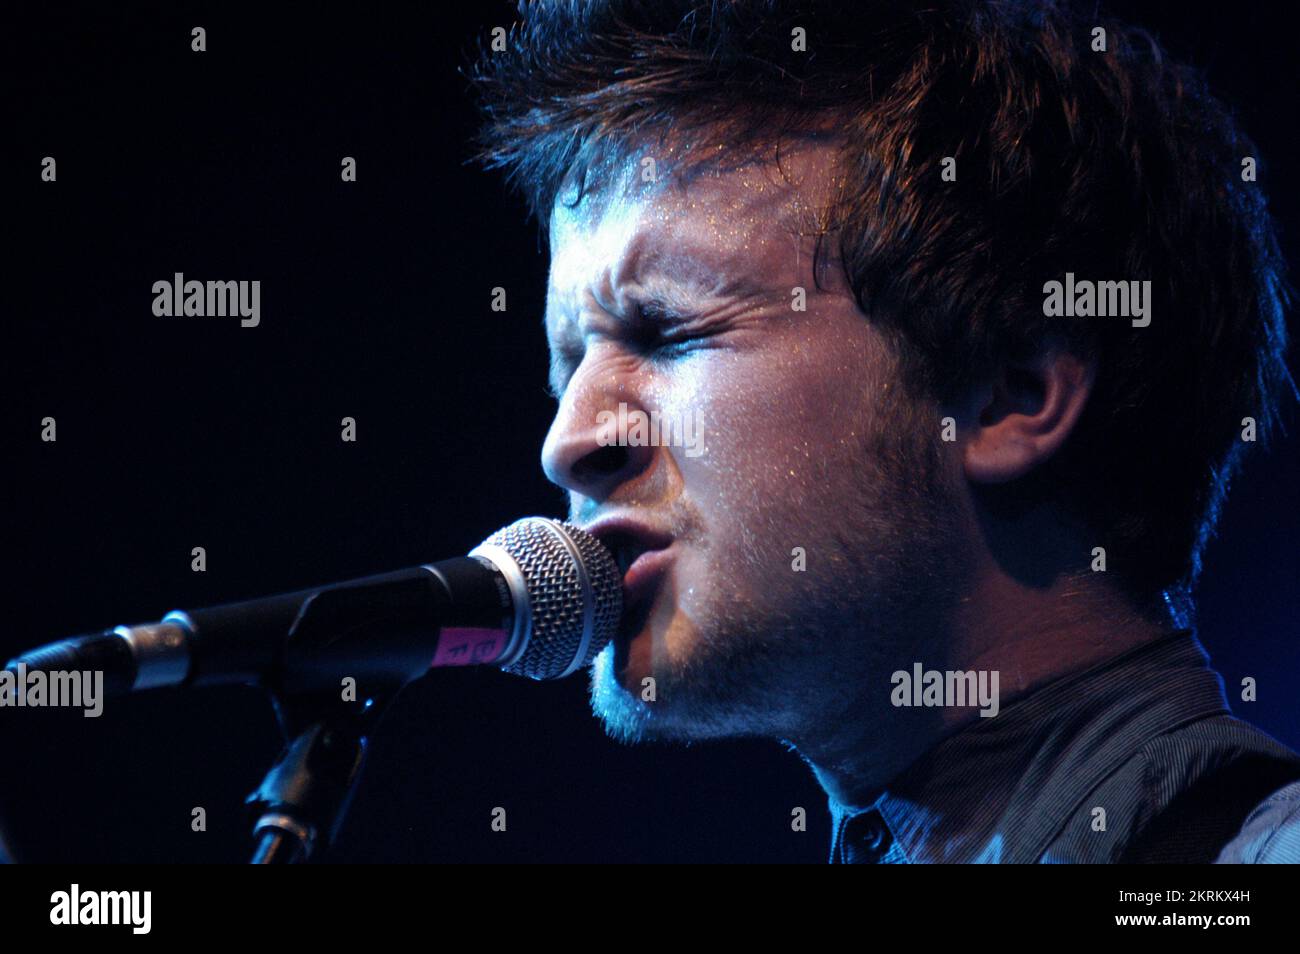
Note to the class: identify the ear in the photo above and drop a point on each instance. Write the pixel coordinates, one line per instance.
(1025, 415)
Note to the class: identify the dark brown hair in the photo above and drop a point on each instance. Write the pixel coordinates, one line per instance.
(1115, 165)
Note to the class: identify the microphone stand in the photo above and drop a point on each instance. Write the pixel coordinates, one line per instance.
(301, 802)
(299, 807)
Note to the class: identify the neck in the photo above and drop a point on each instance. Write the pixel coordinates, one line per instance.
(1028, 635)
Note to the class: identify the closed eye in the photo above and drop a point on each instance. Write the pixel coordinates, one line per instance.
(665, 332)
(564, 363)
(657, 330)
(677, 346)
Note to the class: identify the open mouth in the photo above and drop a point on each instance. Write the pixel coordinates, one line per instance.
(626, 547)
(642, 554)
(628, 541)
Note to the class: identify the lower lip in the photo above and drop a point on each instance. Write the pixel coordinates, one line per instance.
(644, 573)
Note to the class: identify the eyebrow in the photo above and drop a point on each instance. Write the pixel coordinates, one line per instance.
(663, 287)
(654, 267)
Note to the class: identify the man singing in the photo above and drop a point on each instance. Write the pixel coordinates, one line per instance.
(974, 309)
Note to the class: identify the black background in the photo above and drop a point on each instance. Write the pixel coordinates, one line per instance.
(176, 433)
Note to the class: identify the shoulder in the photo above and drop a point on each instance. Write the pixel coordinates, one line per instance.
(1271, 832)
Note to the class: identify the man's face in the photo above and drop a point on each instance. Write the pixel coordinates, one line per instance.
(792, 544)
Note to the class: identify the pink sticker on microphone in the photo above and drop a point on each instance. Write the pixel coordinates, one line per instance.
(469, 646)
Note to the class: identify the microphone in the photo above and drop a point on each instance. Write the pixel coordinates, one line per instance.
(539, 598)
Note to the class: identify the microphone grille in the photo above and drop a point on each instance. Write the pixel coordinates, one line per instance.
(574, 594)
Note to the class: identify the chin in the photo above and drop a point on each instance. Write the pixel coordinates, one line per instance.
(689, 702)
(619, 673)
(633, 659)
(663, 642)
(625, 717)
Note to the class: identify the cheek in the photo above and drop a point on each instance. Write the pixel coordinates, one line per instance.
(782, 427)
(773, 417)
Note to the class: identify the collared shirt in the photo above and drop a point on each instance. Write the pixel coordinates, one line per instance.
(1136, 759)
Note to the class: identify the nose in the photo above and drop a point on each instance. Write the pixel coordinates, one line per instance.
(585, 453)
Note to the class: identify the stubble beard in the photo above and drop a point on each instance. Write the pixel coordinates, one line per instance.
(881, 573)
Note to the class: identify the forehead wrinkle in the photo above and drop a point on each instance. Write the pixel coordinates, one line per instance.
(707, 250)
(588, 248)
(738, 233)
